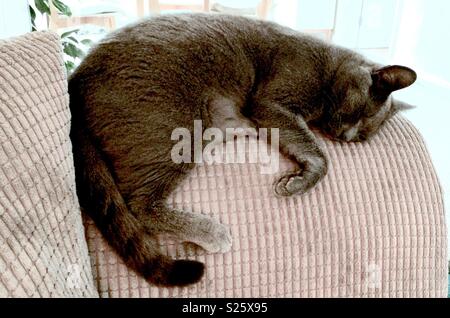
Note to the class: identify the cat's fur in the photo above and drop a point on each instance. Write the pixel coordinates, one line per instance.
(143, 81)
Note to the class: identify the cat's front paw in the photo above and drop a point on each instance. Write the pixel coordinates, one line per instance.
(299, 182)
(290, 184)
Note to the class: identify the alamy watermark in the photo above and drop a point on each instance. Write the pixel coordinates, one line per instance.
(374, 276)
(213, 145)
(74, 280)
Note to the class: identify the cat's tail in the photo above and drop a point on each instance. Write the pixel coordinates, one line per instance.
(99, 196)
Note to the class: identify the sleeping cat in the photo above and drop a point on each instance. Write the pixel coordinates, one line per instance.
(143, 81)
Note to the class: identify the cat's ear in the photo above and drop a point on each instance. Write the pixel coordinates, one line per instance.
(399, 106)
(392, 78)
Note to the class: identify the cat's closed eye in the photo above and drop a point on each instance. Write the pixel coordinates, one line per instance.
(371, 113)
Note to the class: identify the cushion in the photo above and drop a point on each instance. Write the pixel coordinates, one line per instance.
(374, 227)
(43, 250)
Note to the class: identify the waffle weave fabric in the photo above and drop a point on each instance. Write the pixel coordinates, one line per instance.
(43, 251)
(374, 227)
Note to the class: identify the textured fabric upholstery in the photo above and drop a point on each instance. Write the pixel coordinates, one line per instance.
(374, 227)
(43, 251)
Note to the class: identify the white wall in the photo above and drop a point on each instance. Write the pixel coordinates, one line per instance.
(367, 26)
(423, 38)
(423, 43)
(14, 18)
(317, 14)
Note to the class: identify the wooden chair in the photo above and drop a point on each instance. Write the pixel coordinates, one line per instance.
(155, 7)
(324, 34)
(104, 20)
(261, 10)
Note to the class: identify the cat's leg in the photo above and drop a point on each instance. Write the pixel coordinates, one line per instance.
(159, 218)
(196, 228)
(297, 142)
(158, 177)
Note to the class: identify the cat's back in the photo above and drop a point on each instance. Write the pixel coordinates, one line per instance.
(174, 42)
(186, 55)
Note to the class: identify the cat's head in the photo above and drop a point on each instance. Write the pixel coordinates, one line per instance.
(360, 101)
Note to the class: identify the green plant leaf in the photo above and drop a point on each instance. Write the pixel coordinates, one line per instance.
(62, 8)
(32, 14)
(66, 34)
(33, 18)
(87, 42)
(42, 6)
(72, 39)
(71, 50)
(69, 66)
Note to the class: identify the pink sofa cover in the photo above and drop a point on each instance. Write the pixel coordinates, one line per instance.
(374, 227)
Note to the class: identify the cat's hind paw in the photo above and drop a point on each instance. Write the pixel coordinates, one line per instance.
(213, 237)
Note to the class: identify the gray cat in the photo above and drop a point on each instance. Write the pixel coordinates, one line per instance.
(143, 81)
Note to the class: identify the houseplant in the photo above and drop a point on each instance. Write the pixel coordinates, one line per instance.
(71, 42)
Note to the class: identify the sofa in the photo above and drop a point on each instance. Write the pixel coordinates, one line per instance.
(374, 227)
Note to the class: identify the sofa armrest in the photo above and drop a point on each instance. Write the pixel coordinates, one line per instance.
(374, 227)
(43, 252)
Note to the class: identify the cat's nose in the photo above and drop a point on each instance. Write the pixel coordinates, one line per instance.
(350, 134)
(362, 137)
